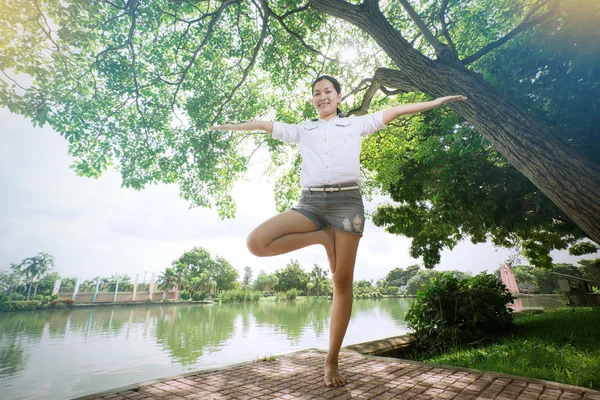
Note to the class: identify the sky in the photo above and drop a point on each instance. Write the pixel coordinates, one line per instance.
(95, 227)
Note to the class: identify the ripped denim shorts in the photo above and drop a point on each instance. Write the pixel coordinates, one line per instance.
(341, 210)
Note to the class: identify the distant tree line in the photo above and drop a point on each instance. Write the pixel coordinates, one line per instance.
(537, 280)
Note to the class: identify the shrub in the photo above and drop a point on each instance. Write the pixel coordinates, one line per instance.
(55, 297)
(291, 294)
(68, 302)
(184, 295)
(61, 303)
(451, 312)
(19, 305)
(38, 297)
(17, 297)
(242, 295)
(199, 296)
(4, 299)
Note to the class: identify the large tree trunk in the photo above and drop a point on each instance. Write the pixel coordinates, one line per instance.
(568, 178)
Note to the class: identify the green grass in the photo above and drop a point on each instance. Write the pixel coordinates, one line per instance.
(266, 358)
(561, 345)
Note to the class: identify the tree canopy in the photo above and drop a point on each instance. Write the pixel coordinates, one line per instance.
(197, 271)
(137, 84)
(292, 277)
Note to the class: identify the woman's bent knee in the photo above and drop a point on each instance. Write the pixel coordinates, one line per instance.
(255, 246)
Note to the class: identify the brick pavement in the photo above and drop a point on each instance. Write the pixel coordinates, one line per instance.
(298, 376)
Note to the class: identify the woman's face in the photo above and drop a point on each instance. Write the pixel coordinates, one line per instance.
(325, 99)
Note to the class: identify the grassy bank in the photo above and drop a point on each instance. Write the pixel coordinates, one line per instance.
(560, 345)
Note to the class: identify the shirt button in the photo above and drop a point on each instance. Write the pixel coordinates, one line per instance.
(326, 153)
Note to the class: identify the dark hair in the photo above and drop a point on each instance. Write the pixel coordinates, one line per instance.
(336, 86)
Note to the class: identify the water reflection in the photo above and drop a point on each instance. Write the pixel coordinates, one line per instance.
(185, 332)
(70, 353)
(292, 319)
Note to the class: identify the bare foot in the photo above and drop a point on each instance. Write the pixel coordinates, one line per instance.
(332, 376)
(330, 248)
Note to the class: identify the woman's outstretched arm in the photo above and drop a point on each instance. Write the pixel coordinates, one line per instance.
(266, 126)
(392, 113)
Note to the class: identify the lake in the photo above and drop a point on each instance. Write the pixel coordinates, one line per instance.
(62, 354)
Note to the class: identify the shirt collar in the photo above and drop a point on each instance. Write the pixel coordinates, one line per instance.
(340, 115)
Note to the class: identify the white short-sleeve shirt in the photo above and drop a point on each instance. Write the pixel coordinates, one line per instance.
(330, 149)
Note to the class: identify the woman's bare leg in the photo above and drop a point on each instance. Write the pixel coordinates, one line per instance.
(287, 232)
(346, 245)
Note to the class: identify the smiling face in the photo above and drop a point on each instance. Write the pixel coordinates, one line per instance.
(325, 99)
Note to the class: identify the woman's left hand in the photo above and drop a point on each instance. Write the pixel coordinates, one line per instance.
(448, 99)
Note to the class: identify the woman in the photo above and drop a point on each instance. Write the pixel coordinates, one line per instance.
(330, 211)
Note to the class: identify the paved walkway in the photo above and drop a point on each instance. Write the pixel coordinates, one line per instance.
(299, 376)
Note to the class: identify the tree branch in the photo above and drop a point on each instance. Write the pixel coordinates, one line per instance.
(133, 4)
(444, 52)
(442, 18)
(433, 41)
(294, 11)
(288, 30)
(247, 70)
(524, 25)
(13, 81)
(370, 19)
(361, 86)
(384, 77)
(209, 30)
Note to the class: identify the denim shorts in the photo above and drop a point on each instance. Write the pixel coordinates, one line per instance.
(341, 210)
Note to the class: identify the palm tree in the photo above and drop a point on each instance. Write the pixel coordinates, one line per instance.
(34, 267)
(167, 280)
(309, 287)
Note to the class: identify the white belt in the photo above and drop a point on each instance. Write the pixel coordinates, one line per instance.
(331, 188)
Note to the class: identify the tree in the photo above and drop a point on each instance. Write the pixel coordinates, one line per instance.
(591, 270)
(193, 262)
(399, 277)
(451, 184)
(9, 280)
(167, 280)
(34, 268)
(292, 277)
(526, 278)
(202, 284)
(121, 86)
(45, 284)
(363, 284)
(424, 277)
(265, 282)
(318, 277)
(123, 280)
(309, 288)
(69, 282)
(223, 274)
(247, 276)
